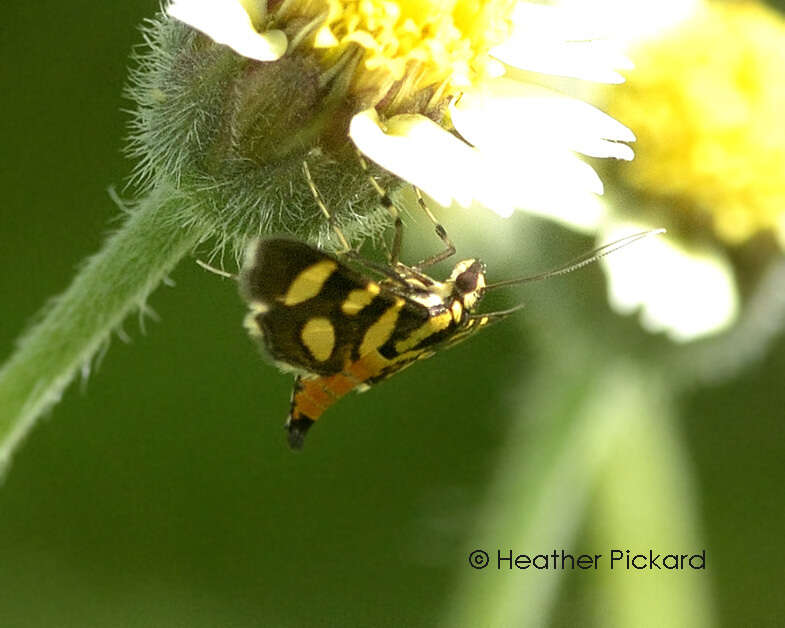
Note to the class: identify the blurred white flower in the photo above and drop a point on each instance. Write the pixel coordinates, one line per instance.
(685, 292)
(706, 101)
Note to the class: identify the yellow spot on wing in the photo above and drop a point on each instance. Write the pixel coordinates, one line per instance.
(318, 336)
(378, 333)
(309, 282)
(358, 299)
(433, 325)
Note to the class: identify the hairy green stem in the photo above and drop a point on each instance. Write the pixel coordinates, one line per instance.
(77, 323)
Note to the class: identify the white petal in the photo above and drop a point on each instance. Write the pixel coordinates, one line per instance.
(687, 294)
(555, 185)
(507, 112)
(415, 148)
(565, 22)
(552, 40)
(227, 22)
(582, 60)
(632, 20)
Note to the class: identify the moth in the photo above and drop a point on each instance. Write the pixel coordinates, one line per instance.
(341, 328)
(344, 323)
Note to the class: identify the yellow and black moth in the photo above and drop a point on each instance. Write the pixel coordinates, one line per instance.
(340, 329)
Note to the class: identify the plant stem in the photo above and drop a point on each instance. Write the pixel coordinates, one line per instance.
(79, 322)
(565, 447)
(539, 498)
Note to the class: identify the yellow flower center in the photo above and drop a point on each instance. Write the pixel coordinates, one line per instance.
(410, 45)
(707, 104)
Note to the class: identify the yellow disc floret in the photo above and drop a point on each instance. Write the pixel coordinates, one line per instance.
(707, 104)
(410, 45)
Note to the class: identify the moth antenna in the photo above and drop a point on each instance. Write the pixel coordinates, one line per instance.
(217, 271)
(581, 260)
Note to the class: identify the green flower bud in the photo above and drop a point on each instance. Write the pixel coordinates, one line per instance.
(231, 133)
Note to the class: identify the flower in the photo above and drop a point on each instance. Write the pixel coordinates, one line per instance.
(234, 23)
(431, 95)
(705, 99)
(685, 291)
(707, 104)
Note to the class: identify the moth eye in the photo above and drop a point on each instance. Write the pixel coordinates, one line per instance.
(467, 281)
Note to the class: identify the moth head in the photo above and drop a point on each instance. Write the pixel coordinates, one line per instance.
(468, 281)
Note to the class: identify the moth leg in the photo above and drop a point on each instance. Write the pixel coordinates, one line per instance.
(386, 202)
(492, 317)
(449, 250)
(323, 207)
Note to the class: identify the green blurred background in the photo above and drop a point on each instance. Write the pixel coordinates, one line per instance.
(161, 492)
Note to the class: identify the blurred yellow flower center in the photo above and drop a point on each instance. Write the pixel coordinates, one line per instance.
(707, 104)
(412, 44)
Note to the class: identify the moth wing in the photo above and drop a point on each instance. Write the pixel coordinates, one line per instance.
(312, 312)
